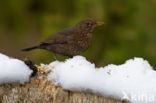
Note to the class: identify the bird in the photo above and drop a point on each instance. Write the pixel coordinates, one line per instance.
(71, 41)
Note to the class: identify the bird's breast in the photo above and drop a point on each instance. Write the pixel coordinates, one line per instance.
(84, 41)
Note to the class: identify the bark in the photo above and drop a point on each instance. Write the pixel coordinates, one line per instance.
(40, 90)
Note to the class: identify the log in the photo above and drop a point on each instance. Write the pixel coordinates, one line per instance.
(40, 90)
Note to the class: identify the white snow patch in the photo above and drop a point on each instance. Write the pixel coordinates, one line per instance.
(13, 70)
(135, 80)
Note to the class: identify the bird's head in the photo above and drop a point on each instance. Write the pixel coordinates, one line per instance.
(88, 24)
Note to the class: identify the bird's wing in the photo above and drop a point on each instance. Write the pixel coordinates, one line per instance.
(62, 37)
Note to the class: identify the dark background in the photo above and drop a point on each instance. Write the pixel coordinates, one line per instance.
(130, 30)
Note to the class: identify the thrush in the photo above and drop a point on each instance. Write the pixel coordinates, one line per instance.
(70, 41)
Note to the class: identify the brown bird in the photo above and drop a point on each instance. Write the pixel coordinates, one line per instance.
(70, 41)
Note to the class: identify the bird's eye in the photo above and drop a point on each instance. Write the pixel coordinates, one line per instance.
(88, 24)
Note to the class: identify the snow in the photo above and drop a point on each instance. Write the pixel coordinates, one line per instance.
(13, 70)
(135, 80)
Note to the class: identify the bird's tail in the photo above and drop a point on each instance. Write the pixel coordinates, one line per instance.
(31, 48)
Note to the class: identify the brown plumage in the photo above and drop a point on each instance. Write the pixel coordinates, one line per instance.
(71, 41)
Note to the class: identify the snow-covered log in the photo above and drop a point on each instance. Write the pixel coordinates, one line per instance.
(17, 86)
(41, 90)
(76, 80)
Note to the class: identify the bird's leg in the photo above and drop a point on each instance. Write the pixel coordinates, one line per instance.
(55, 56)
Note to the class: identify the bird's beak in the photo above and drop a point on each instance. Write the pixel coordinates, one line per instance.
(99, 23)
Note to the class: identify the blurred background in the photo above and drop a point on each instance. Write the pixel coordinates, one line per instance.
(130, 30)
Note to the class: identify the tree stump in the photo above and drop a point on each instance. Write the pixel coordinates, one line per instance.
(40, 90)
